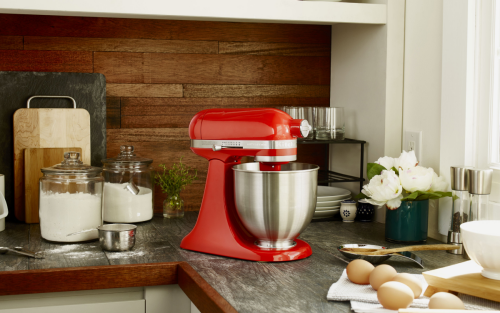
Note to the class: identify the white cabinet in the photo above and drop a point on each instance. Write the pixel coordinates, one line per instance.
(154, 299)
(269, 11)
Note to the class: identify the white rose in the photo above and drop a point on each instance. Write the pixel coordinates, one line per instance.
(439, 183)
(386, 162)
(417, 178)
(406, 160)
(384, 189)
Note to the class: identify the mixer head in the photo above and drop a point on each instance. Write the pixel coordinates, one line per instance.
(267, 134)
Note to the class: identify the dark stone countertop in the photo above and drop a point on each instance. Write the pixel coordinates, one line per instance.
(297, 286)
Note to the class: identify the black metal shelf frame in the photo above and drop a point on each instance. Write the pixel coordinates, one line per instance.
(327, 176)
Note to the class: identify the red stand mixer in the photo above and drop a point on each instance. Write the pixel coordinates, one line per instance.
(252, 211)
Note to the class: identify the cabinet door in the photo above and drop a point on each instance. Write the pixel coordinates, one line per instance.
(135, 306)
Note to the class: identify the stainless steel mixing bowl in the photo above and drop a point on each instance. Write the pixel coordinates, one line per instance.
(275, 207)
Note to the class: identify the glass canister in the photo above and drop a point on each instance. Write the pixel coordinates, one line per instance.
(70, 200)
(128, 188)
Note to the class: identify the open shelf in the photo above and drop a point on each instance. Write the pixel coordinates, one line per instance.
(276, 11)
(327, 176)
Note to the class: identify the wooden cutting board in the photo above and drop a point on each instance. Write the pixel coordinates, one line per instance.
(46, 128)
(34, 160)
(465, 278)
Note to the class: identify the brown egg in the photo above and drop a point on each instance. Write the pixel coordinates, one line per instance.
(358, 271)
(410, 281)
(382, 274)
(394, 295)
(445, 301)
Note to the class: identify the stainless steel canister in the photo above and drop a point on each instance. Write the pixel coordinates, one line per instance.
(275, 206)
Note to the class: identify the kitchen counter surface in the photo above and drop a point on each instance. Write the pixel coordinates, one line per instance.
(297, 286)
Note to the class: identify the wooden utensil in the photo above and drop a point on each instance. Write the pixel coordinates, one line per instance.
(34, 160)
(364, 251)
(463, 277)
(46, 128)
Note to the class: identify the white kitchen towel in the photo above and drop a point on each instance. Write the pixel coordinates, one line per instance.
(364, 298)
(345, 290)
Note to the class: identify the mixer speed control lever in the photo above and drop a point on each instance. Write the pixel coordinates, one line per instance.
(216, 148)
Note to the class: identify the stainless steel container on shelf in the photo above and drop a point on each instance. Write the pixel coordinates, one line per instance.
(275, 206)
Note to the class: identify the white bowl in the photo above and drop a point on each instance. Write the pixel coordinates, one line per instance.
(326, 208)
(481, 240)
(328, 203)
(325, 213)
(326, 193)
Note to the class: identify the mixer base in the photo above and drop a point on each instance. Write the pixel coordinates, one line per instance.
(275, 245)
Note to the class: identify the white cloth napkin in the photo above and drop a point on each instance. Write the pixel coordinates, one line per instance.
(364, 298)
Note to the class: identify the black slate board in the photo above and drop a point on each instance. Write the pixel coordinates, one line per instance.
(89, 92)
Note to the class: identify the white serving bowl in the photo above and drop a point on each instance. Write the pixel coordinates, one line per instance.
(481, 240)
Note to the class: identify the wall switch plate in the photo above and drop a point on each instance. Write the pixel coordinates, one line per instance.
(413, 141)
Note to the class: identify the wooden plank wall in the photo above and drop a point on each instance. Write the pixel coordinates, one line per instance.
(159, 73)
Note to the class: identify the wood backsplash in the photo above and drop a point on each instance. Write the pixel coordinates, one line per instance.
(159, 73)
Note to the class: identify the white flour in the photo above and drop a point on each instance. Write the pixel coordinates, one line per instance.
(121, 206)
(65, 213)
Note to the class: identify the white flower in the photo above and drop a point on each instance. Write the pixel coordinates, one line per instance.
(439, 183)
(384, 189)
(386, 162)
(406, 160)
(417, 178)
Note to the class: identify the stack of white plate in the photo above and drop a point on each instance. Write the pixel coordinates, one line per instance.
(328, 203)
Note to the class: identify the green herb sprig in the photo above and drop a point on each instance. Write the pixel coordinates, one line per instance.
(173, 181)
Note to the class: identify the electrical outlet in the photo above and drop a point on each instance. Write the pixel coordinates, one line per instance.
(413, 141)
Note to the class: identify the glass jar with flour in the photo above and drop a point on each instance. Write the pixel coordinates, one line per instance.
(128, 188)
(70, 200)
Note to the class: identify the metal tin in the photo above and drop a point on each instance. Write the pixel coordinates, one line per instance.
(479, 181)
(117, 237)
(275, 206)
(459, 177)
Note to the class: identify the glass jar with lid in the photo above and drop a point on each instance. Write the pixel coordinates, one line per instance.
(70, 200)
(128, 188)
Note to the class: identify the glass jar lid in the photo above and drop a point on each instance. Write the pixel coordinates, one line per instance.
(72, 165)
(126, 157)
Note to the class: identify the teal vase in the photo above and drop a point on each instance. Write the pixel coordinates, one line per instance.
(408, 223)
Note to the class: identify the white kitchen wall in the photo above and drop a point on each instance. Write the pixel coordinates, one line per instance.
(422, 84)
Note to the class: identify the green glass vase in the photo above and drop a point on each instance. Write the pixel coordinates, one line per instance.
(408, 223)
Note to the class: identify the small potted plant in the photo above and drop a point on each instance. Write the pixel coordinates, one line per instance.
(172, 182)
(405, 189)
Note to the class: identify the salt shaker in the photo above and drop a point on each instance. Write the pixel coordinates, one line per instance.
(460, 206)
(348, 210)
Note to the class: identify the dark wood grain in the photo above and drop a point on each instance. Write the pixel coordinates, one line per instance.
(46, 61)
(204, 296)
(11, 43)
(273, 48)
(208, 91)
(87, 278)
(65, 26)
(118, 44)
(144, 90)
(113, 113)
(160, 106)
(122, 67)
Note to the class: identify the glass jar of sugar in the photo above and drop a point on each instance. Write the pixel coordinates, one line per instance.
(128, 188)
(70, 200)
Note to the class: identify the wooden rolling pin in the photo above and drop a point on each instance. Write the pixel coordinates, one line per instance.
(364, 251)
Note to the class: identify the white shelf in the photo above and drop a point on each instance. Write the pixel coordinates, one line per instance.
(269, 11)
